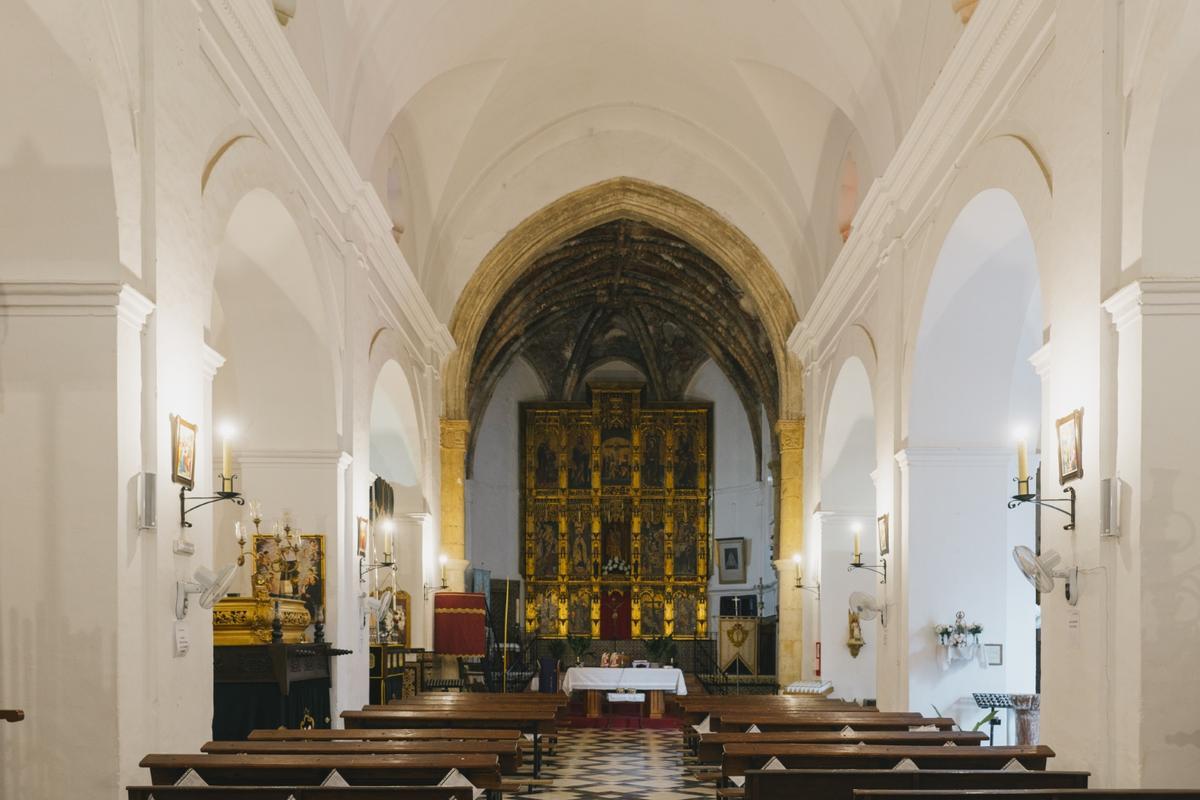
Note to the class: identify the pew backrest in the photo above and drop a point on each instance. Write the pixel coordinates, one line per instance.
(299, 792)
(1028, 794)
(839, 784)
(739, 758)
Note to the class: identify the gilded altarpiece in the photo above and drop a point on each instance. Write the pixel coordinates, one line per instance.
(615, 510)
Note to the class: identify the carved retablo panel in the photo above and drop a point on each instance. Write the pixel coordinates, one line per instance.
(615, 498)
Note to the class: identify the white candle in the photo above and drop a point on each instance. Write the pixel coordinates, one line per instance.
(387, 539)
(226, 458)
(442, 560)
(239, 533)
(799, 575)
(857, 547)
(1022, 461)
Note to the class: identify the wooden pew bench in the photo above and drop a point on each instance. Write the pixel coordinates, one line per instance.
(508, 753)
(1028, 794)
(311, 770)
(739, 758)
(840, 784)
(388, 735)
(739, 721)
(712, 745)
(299, 792)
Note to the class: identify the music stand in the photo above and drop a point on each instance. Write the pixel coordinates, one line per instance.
(993, 701)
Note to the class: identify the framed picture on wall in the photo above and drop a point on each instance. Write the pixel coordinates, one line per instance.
(1070, 446)
(731, 560)
(364, 528)
(183, 452)
(885, 537)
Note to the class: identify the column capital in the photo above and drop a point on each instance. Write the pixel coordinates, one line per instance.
(791, 434)
(454, 433)
(956, 457)
(1152, 297)
(210, 361)
(1040, 360)
(75, 299)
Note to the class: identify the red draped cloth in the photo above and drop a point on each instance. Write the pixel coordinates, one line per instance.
(458, 623)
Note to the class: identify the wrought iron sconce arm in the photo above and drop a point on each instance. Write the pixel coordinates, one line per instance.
(365, 569)
(227, 493)
(879, 569)
(1068, 507)
(816, 589)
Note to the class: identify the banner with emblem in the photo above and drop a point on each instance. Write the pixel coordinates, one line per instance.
(737, 645)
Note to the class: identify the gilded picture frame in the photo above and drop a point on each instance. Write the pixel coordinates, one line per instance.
(303, 576)
(183, 452)
(884, 533)
(1069, 431)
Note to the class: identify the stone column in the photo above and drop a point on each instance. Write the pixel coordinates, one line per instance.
(454, 504)
(791, 540)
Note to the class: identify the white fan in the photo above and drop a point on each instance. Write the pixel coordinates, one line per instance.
(211, 586)
(382, 605)
(867, 607)
(1041, 572)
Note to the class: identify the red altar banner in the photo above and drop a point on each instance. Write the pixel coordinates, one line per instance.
(458, 624)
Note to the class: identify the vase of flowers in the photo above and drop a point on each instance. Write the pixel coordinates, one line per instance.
(615, 566)
(959, 640)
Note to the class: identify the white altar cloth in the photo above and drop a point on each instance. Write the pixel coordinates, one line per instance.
(607, 679)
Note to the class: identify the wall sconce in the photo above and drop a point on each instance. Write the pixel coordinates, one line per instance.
(442, 559)
(226, 476)
(800, 578)
(1025, 493)
(856, 561)
(388, 527)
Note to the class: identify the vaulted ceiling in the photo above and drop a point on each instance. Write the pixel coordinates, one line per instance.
(628, 291)
(470, 115)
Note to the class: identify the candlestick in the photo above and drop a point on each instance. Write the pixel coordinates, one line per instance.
(387, 525)
(239, 533)
(799, 575)
(226, 459)
(442, 560)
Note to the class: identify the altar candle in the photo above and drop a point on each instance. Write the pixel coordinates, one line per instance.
(442, 560)
(1022, 460)
(388, 525)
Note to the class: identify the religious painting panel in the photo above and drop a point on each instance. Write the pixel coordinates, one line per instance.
(685, 614)
(579, 542)
(652, 615)
(616, 437)
(579, 453)
(654, 456)
(545, 543)
(546, 604)
(689, 451)
(579, 621)
(614, 542)
(653, 550)
(685, 548)
(542, 452)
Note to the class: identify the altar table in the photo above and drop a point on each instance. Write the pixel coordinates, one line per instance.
(594, 681)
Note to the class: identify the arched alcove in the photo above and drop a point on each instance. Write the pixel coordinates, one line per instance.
(971, 386)
(847, 509)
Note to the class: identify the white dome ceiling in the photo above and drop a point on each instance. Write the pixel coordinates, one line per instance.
(470, 115)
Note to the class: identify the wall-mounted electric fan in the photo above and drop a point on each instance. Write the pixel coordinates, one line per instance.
(867, 607)
(1040, 571)
(211, 586)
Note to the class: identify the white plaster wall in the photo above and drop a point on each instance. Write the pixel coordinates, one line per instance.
(494, 530)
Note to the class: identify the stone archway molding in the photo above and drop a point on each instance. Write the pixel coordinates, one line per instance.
(597, 204)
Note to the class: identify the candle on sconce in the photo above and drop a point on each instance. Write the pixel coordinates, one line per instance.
(239, 533)
(799, 575)
(857, 544)
(1022, 460)
(227, 433)
(442, 559)
(388, 526)
(276, 532)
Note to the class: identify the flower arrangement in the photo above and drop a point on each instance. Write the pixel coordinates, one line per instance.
(615, 566)
(955, 635)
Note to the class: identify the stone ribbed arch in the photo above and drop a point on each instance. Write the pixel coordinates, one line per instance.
(604, 202)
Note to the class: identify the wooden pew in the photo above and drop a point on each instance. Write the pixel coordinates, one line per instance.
(1028, 794)
(840, 784)
(738, 721)
(387, 735)
(537, 721)
(739, 758)
(712, 745)
(311, 770)
(508, 753)
(299, 792)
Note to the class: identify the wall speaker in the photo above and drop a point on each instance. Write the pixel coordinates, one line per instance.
(1110, 507)
(147, 501)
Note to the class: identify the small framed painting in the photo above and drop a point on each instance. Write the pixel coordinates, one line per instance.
(183, 452)
(994, 654)
(1070, 446)
(364, 528)
(731, 560)
(885, 537)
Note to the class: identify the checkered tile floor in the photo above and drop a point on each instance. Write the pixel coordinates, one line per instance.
(615, 764)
